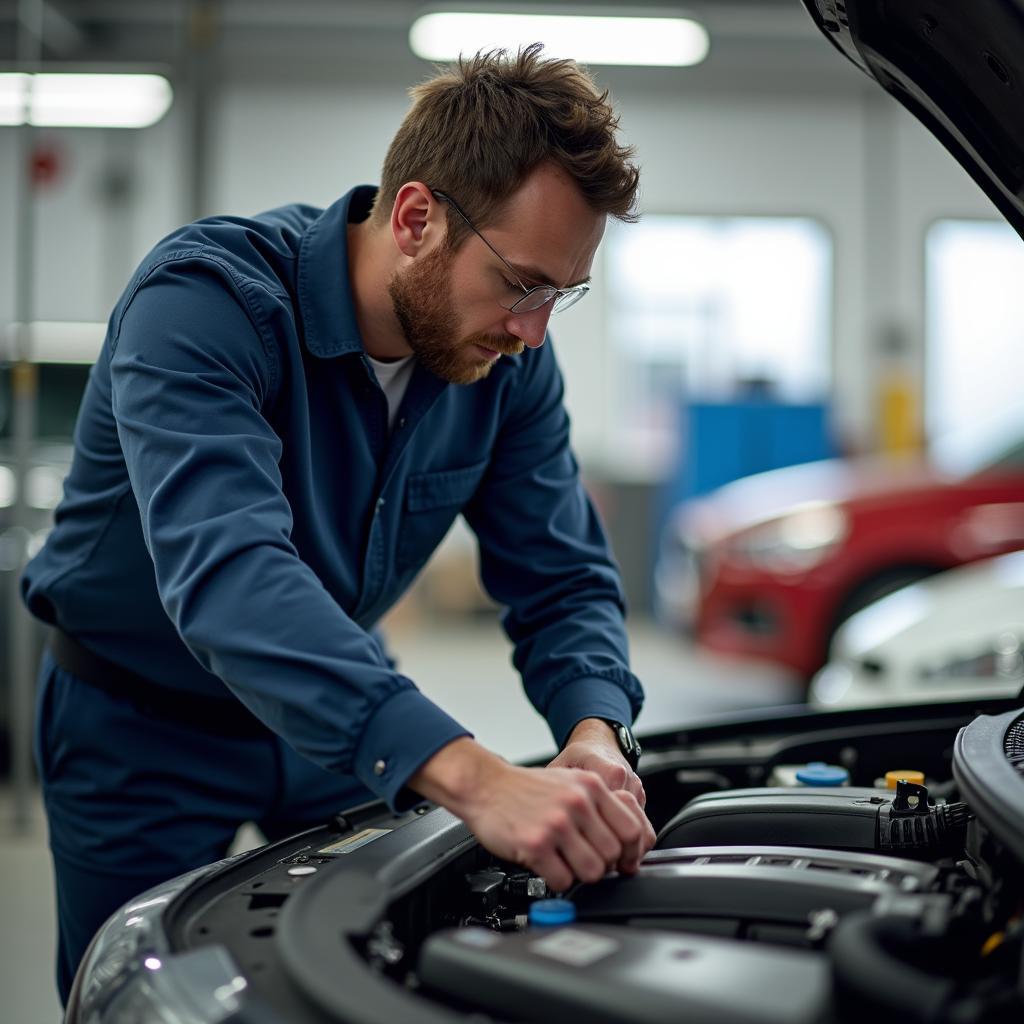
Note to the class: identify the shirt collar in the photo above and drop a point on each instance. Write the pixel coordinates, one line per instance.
(326, 302)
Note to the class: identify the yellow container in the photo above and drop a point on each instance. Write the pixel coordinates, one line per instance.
(891, 778)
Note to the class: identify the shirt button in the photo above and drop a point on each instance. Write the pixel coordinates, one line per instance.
(380, 504)
(379, 767)
(401, 422)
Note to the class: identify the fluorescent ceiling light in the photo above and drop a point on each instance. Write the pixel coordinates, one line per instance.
(663, 42)
(62, 100)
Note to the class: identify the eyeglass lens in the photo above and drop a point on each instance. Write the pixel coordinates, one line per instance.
(537, 297)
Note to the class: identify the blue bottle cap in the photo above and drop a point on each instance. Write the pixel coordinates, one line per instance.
(817, 773)
(546, 913)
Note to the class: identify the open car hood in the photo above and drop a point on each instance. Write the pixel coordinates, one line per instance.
(956, 65)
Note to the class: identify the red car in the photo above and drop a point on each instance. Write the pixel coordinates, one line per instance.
(770, 565)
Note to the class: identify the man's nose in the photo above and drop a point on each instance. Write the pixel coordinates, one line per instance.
(530, 327)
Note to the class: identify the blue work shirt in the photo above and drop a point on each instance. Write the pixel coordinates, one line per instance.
(238, 514)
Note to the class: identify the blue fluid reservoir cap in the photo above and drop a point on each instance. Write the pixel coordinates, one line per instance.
(817, 773)
(546, 913)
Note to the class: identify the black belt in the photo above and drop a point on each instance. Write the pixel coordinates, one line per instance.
(221, 716)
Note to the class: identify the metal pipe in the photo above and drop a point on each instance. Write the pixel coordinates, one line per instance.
(24, 390)
(202, 43)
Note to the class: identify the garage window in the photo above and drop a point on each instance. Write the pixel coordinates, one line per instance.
(713, 309)
(975, 322)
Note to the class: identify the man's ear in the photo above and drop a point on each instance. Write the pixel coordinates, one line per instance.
(418, 221)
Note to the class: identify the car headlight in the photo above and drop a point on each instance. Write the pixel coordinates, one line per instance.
(129, 976)
(831, 684)
(795, 542)
(1002, 658)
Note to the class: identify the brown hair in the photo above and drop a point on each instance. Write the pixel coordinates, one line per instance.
(478, 128)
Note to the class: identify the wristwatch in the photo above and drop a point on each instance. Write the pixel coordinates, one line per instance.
(628, 745)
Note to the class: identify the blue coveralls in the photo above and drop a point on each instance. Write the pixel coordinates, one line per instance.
(236, 519)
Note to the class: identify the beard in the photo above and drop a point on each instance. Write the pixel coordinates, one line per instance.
(422, 300)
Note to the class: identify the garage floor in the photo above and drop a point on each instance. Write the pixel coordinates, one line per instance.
(466, 669)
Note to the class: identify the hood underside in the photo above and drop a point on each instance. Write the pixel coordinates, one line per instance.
(956, 65)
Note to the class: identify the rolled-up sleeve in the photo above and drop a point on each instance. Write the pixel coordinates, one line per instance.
(193, 367)
(544, 556)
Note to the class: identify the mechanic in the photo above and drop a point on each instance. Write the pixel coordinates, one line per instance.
(286, 416)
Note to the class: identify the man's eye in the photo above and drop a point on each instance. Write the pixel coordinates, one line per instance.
(511, 285)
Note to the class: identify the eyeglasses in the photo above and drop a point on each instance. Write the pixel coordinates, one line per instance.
(532, 298)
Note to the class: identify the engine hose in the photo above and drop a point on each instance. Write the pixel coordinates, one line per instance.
(871, 981)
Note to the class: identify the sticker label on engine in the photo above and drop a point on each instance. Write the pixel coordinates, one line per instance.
(479, 937)
(352, 843)
(574, 947)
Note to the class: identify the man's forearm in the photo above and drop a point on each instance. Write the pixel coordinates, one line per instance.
(459, 769)
(456, 773)
(593, 730)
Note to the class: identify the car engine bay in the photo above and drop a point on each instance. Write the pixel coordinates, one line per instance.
(769, 896)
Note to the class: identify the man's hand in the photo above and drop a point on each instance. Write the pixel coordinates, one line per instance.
(562, 823)
(592, 745)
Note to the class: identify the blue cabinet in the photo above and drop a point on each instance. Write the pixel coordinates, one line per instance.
(723, 441)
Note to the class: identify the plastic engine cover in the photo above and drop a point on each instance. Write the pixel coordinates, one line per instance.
(613, 975)
(736, 890)
(845, 819)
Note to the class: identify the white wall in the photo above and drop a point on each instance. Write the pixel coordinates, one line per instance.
(87, 242)
(856, 161)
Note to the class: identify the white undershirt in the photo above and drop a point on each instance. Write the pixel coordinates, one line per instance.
(394, 378)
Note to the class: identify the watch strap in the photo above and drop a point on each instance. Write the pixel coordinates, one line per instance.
(628, 746)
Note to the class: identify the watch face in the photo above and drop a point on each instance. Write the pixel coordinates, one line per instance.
(627, 743)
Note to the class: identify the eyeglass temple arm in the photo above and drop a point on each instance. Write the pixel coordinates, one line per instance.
(458, 209)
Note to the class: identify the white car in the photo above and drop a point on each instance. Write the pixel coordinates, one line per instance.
(958, 635)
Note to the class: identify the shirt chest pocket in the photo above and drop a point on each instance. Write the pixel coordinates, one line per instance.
(432, 501)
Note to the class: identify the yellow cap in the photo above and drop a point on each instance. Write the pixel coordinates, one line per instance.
(891, 778)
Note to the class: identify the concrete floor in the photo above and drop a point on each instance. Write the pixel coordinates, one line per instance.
(466, 669)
